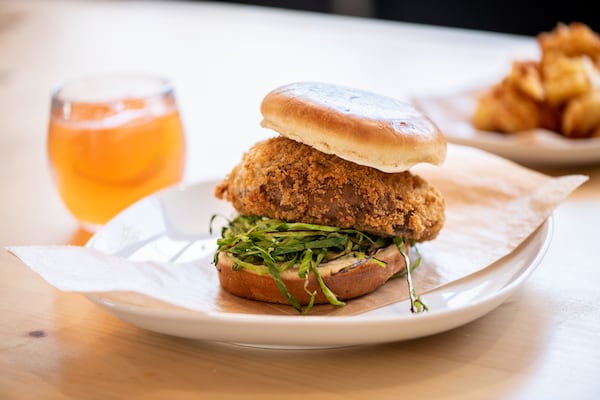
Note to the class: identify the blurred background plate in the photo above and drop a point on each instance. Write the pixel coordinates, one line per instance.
(452, 113)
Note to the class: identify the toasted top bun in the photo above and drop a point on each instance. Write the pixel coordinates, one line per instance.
(348, 278)
(358, 126)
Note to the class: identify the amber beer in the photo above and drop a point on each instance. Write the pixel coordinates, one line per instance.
(106, 152)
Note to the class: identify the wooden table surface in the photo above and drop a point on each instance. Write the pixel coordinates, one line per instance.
(543, 343)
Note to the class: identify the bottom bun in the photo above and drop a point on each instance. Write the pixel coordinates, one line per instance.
(348, 278)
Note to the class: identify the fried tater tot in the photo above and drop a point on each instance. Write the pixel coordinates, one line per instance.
(566, 77)
(526, 77)
(581, 117)
(573, 40)
(505, 109)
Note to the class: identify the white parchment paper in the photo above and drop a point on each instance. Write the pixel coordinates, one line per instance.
(492, 206)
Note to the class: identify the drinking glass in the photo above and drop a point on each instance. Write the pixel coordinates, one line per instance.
(112, 140)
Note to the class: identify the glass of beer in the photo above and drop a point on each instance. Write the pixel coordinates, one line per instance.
(111, 141)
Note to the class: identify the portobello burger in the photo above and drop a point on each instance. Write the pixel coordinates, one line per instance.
(328, 210)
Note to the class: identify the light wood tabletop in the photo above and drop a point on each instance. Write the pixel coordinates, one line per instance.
(543, 343)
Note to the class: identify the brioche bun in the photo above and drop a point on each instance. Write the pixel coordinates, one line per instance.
(347, 279)
(342, 160)
(356, 125)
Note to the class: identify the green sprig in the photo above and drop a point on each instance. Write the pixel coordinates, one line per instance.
(416, 304)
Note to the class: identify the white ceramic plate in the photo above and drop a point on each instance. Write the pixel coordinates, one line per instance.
(160, 223)
(538, 147)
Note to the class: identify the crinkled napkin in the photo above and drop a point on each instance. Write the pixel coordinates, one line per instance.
(492, 206)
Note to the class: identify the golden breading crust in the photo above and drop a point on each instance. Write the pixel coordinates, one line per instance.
(283, 179)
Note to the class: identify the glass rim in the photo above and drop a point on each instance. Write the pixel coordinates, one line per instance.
(154, 86)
